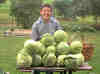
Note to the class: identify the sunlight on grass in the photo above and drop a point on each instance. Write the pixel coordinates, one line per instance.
(4, 18)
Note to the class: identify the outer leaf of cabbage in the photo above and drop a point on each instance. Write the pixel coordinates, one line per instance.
(28, 42)
(24, 60)
(28, 46)
(62, 48)
(36, 60)
(60, 36)
(60, 60)
(71, 63)
(47, 40)
(49, 59)
(35, 48)
(75, 60)
(76, 47)
(80, 58)
(51, 49)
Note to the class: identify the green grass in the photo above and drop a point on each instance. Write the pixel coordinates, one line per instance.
(4, 13)
(8, 48)
(4, 10)
(4, 18)
(9, 45)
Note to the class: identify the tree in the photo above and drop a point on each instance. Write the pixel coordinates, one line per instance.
(96, 9)
(25, 11)
(47, 1)
(64, 7)
(2, 1)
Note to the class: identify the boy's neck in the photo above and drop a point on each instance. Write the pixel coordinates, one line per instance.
(46, 21)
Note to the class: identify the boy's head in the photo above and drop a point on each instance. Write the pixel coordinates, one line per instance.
(46, 11)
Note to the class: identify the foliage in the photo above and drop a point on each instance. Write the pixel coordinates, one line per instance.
(25, 11)
(80, 24)
(64, 7)
(48, 2)
(2, 1)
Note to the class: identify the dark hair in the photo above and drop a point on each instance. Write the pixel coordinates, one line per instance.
(46, 5)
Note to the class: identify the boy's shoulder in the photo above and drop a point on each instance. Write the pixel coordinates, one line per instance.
(38, 21)
(54, 20)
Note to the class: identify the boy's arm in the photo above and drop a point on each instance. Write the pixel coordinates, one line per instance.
(34, 32)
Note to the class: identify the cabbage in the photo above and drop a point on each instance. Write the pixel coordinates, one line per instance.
(28, 46)
(62, 48)
(28, 42)
(60, 60)
(79, 58)
(49, 59)
(22, 51)
(74, 61)
(35, 48)
(24, 60)
(76, 47)
(47, 39)
(36, 60)
(71, 63)
(51, 49)
(60, 36)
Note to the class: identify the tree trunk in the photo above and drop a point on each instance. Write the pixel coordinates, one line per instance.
(96, 20)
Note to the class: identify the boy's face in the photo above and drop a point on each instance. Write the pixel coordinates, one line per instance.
(46, 12)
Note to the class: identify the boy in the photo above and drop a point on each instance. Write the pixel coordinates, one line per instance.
(45, 24)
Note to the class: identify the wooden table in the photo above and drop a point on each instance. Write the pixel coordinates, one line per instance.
(55, 69)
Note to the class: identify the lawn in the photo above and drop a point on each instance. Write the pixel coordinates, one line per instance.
(8, 48)
(9, 45)
(4, 13)
(4, 18)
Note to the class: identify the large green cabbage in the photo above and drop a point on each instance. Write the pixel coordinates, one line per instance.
(60, 36)
(51, 49)
(28, 42)
(62, 48)
(36, 60)
(34, 48)
(74, 61)
(60, 60)
(28, 46)
(24, 59)
(47, 40)
(76, 47)
(49, 59)
(79, 58)
(70, 63)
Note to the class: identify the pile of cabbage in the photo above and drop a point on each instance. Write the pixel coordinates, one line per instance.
(51, 50)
